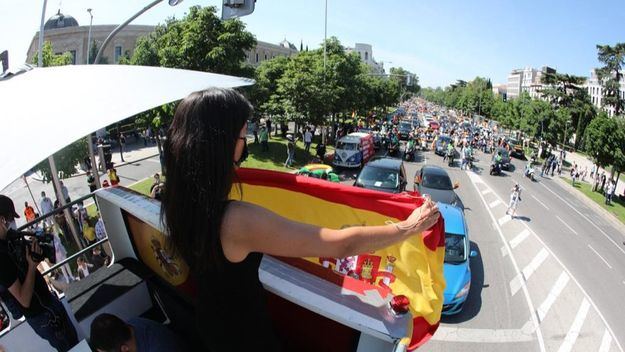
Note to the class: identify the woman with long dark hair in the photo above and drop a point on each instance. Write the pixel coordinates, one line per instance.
(223, 241)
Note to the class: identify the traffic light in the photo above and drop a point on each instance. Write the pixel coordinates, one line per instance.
(236, 8)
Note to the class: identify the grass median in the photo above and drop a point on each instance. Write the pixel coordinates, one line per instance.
(617, 208)
(276, 156)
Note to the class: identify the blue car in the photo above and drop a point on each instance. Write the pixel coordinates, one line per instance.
(456, 268)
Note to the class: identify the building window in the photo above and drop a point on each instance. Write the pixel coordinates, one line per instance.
(73, 53)
(265, 56)
(256, 57)
(118, 53)
(366, 56)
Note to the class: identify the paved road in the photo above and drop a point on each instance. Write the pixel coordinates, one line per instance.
(77, 186)
(548, 280)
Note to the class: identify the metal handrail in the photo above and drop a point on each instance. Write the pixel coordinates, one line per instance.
(54, 212)
(73, 256)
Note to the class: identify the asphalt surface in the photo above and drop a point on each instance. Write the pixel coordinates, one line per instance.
(549, 279)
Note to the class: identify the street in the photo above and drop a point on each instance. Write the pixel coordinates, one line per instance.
(547, 280)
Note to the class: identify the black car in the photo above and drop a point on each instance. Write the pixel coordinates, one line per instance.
(435, 181)
(404, 130)
(505, 158)
(383, 174)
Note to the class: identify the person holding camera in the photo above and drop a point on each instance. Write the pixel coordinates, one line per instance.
(18, 272)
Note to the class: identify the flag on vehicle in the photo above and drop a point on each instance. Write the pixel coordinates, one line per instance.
(412, 268)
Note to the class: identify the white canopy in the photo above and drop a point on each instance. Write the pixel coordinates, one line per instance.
(45, 109)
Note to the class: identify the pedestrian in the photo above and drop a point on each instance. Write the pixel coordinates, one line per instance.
(307, 139)
(252, 126)
(574, 175)
(321, 152)
(83, 267)
(43, 311)
(268, 124)
(113, 177)
(515, 198)
(65, 193)
(290, 150)
(29, 212)
(603, 177)
(264, 139)
(122, 144)
(91, 182)
(595, 186)
(60, 254)
(47, 207)
(592, 171)
(609, 189)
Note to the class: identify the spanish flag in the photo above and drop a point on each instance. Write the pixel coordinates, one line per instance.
(413, 268)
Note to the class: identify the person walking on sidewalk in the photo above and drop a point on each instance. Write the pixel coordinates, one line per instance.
(91, 182)
(609, 192)
(602, 181)
(307, 139)
(290, 151)
(264, 139)
(515, 198)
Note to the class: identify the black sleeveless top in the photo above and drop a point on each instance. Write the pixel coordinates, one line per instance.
(232, 314)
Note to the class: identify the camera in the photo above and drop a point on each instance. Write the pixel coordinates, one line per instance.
(18, 241)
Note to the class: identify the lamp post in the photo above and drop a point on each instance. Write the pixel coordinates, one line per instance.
(121, 26)
(325, 37)
(89, 36)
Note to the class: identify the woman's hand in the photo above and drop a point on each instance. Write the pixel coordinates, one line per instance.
(421, 218)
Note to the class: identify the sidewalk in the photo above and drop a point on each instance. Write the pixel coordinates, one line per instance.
(582, 162)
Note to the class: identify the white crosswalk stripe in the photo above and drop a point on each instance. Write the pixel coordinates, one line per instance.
(555, 291)
(504, 220)
(494, 204)
(606, 342)
(571, 336)
(535, 263)
(519, 238)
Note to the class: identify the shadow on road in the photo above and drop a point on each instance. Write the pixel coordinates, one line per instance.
(473, 304)
(522, 218)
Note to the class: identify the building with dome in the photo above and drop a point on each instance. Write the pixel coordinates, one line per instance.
(66, 35)
(267, 51)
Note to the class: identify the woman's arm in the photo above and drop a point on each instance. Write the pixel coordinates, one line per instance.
(250, 228)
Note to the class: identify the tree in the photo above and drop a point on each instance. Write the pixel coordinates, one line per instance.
(611, 75)
(93, 52)
(50, 58)
(264, 94)
(199, 41)
(604, 140)
(560, 88)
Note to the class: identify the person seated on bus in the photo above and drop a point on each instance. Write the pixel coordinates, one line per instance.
(111, 334)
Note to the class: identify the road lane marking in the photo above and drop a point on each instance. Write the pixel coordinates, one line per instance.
(504, 219)
(530, 305)
(606, 341)
(519, 238)
(555, 291)
(587, 219)
(554, 256)
(494, 204)
(541, 203)
(487, 191)
(599, 255)
(515, 284)
(538, 260)
(454, 334)
(567, 225)
(571, 336)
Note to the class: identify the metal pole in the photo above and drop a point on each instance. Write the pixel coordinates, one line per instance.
(325, 37)
(120, 27)
(43, 19)
(31, 193)
(89, 37)
(94, 167)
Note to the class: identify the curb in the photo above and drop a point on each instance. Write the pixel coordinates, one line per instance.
(83, 173)
(596, 207)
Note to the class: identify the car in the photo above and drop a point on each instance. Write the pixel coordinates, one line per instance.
(404, 129)
(383, 174)
(435, 181)
(440, 147)
(456, 267)
(516, 149)
(505, 158)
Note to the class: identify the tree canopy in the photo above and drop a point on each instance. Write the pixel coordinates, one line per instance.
(611, 75)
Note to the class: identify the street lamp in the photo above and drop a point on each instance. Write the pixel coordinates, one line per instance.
(121, 26)
(89, 36)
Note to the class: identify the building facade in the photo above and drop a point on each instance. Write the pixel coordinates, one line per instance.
(527, 80)
(65, 35)
(595, 91)
(266, 51)
(365, 52)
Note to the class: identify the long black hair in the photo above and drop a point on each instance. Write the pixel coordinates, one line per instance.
(199, 153)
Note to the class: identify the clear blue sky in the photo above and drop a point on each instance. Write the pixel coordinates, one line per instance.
(439, 40)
